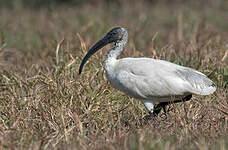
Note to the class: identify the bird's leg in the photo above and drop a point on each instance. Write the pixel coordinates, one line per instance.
(158, 107)
(162, 105)
(155, 110)
(150, 107)
(148, 117)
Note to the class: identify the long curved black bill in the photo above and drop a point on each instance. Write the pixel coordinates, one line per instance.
(93, 50)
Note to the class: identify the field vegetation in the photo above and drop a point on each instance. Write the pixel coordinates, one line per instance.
(46, 104)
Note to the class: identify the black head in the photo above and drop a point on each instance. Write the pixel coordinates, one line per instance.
(115, 35)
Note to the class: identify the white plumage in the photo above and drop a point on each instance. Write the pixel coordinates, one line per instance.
(150, 80)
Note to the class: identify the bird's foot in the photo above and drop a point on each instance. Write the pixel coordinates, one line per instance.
(156, 111)
(149, 117)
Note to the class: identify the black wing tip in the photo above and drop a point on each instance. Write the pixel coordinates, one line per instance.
(213, 85)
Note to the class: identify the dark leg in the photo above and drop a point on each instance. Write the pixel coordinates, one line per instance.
(156, 111)
(158, 107)
(162, 105)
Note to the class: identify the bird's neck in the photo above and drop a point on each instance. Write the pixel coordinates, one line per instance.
(111, 57)
(115, 51)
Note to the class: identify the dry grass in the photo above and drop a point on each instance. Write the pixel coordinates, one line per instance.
(45, 104)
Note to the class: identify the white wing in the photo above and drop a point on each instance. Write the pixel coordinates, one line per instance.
(150, 78)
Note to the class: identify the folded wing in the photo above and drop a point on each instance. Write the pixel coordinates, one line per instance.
(150, 78)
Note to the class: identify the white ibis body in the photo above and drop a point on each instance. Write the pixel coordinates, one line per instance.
(150, 80)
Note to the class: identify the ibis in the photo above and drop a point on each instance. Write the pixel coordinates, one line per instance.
(155, 82)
